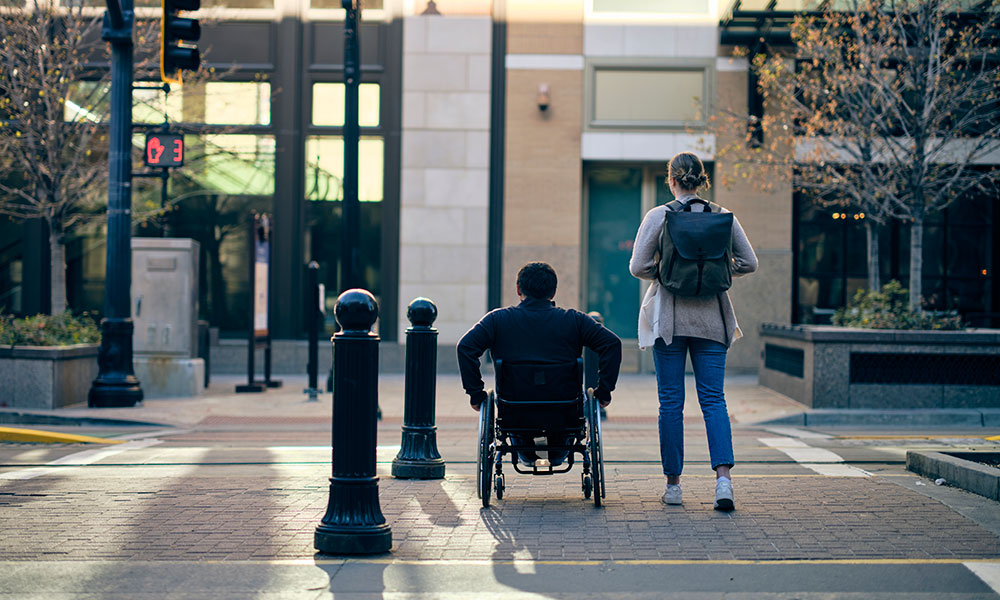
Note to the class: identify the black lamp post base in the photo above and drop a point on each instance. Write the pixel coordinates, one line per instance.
(114, 394)
(251, 388)
(375, 539)
(418, 469)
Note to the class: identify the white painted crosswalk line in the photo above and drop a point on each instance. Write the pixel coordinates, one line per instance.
(800, 451)
(79, 458)
(836, 470)
(795, 432)
(989, 572)
(819, 460)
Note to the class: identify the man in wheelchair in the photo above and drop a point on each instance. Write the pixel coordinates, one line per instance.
(536, 331)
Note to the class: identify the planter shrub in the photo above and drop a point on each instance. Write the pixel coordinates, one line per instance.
(47, 361)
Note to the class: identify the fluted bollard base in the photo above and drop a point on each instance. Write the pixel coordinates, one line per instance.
(348, 528)
(418, 456)
(116, 384)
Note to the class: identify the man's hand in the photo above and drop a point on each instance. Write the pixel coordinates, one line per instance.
(477, 398)
(603, 397)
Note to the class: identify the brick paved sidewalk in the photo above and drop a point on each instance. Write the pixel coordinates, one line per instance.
(201, 514)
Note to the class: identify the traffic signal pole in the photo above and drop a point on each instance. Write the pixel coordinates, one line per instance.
(116, 383)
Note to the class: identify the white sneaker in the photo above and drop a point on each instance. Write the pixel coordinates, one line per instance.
(724, 494)
(672, 495)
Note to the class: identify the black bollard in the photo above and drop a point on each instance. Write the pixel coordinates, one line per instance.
(353, 523)
(314, 313)
(590, 362)
(418, 456)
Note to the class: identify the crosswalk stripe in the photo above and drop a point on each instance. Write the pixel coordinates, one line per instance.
(820, 460)
(989, 572)
(76, 459)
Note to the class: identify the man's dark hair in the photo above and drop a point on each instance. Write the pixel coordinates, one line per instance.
(537, 280)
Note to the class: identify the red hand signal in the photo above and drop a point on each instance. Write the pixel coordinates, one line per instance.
(154, 150)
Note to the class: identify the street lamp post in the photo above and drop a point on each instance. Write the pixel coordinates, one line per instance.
(116, 384)
(350, 215)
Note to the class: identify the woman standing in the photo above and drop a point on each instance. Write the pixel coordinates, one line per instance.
(675, 325)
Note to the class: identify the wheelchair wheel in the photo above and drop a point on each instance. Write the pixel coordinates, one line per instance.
(595, 447)
(588, 486)
(499, 484)
(484, 460)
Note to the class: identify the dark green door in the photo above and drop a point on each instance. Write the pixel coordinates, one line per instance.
(614, 213)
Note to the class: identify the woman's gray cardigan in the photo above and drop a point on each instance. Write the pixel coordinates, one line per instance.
(663, 314)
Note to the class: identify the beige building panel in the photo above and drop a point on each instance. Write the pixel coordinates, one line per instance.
(542, 207)
(766, 216)
(544, 11)
(564, 259)
(550, 138)
(763, 297)
(544, 38)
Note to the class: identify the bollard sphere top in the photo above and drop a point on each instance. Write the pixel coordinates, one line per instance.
(596, 316)
(421, 312)
(356, 310)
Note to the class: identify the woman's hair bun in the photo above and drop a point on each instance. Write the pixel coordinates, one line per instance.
(688, 171)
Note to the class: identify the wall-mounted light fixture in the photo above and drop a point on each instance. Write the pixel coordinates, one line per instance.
(544, 99)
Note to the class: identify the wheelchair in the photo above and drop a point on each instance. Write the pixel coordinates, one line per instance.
(539, 400)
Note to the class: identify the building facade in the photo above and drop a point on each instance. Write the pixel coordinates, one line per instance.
(493, 134)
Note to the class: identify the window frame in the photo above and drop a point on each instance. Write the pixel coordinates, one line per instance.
(592, 65)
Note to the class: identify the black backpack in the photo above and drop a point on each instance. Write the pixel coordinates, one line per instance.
(696, 250)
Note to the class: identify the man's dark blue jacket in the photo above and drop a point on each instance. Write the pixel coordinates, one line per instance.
(537, 331)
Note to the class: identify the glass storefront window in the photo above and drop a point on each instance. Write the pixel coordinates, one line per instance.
(325, 168)
(237, 103)
(324, 173)
(328, 104)
(212, 103)
(831, 258)
(224, 179)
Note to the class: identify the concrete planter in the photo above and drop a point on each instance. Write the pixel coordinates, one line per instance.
(839, 367)
(46, 377)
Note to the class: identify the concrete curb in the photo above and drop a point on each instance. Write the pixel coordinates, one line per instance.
(20, 417)
(930, 417)
(957, 471)
(11, 434)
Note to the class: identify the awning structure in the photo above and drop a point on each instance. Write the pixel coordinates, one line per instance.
(755, 22)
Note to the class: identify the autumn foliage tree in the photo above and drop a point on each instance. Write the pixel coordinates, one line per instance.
(890, 107)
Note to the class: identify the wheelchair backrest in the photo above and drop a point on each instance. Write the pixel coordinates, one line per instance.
(539, 397)
(536, 382)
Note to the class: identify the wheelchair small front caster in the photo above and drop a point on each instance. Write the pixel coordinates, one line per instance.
(499, 485)
(588, 487)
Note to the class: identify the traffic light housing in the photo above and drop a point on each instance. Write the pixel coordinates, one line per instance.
(178, 35)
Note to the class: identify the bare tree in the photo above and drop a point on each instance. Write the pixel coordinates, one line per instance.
(889, 107)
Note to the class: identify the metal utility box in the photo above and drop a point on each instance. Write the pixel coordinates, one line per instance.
(165, 297)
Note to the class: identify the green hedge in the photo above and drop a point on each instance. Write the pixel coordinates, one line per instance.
(49, 330)
(889, 308)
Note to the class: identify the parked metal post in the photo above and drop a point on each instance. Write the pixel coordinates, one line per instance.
(418, 456)
(313, 312)
(353, 523)
(591, 361)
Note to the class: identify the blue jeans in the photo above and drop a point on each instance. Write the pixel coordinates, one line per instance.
(709, 361)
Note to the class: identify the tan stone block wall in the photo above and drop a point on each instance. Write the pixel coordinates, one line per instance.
(766, 217)
(544, 38)
(543, 191)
